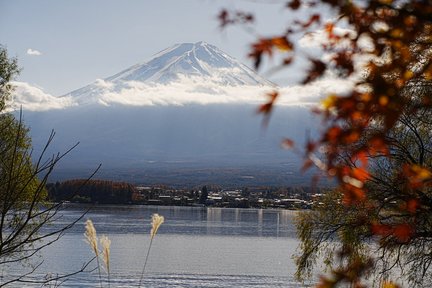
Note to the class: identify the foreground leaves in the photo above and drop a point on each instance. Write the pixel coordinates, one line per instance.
(385, 116)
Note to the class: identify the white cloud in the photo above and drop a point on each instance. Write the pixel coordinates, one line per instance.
(33, 52)
(185, 92)
(35, 99)
(100, 83)
(313, 93)
(198, 91)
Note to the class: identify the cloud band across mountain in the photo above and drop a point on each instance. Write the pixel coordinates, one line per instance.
(187, 91)
(184, 74)
(32, 98)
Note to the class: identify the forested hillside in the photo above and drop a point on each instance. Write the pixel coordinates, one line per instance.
(91, 191)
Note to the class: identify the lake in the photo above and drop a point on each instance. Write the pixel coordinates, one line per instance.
(195, 247)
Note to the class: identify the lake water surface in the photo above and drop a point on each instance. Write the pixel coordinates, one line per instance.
(195, 247)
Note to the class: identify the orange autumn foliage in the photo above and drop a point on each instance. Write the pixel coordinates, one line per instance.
(399, 57)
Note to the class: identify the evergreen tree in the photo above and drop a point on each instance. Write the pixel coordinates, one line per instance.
(204, 195)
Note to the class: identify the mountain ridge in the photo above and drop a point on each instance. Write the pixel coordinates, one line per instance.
(201, 57)
(200, 61)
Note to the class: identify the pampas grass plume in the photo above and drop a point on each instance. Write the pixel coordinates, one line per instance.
(157, 220)
(105, 242)
(92, 240)
(91, 236)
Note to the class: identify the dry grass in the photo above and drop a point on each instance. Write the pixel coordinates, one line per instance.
(157, 220)
(105, 243)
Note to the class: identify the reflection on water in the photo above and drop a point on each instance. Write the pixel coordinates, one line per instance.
(195, 247)
(187, 220)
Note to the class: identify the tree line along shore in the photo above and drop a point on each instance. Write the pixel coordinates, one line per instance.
(111, 192)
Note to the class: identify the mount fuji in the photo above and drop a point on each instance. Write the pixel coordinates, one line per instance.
(188, 59)
(197, 62)
(181, 118)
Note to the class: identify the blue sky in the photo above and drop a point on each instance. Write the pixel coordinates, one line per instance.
(80, 41)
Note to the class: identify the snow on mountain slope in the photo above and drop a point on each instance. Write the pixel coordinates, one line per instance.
(199, 62)
(198, 59)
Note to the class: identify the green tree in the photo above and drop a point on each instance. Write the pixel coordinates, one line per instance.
(8, 71)
(24, 212)
(16, 165)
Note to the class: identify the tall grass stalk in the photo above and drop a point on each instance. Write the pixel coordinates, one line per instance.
(157, 220)
(106, 244)
(92, 240)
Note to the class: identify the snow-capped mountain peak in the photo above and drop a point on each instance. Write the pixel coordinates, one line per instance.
(199, 62)
(190, 59)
